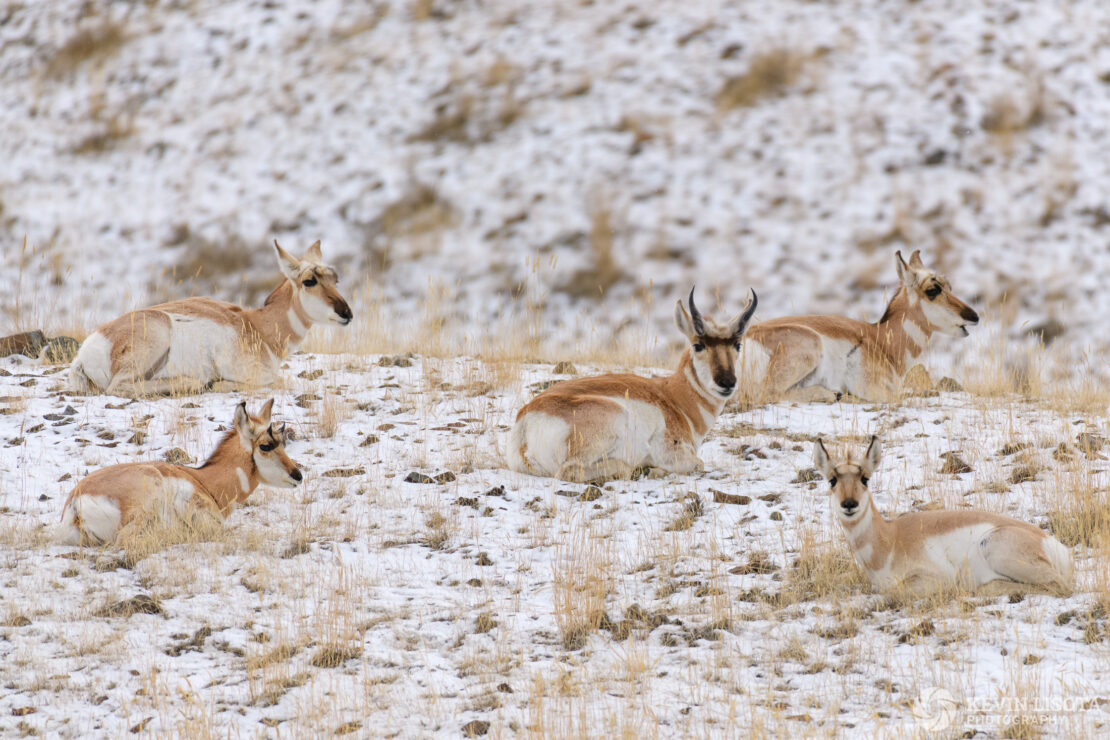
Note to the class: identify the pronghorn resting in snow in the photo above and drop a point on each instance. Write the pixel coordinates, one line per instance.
(609, 425)
(251, 453)
(927, 551)
(821, 357)
(190, 344)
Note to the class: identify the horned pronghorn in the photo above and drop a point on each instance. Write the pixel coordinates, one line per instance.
(189, 344)
(606, 426)
(818, 357)
(252, 452)
(930, 550)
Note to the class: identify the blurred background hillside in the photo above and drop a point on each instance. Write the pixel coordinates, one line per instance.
(581, 163)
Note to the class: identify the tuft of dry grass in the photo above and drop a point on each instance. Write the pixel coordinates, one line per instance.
(160, 525)
(582, 579)
(95, 42)
(769, 73)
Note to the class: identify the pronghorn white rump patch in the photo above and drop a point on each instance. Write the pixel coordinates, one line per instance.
(94, 362)
(97, 517)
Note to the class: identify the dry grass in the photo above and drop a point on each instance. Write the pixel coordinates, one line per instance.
(770, 73)
(160, 525)
(96, 42)
(582, 579)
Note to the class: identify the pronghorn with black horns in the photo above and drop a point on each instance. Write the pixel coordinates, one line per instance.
(188, 345)
(251, 453)
(819, 357)
(609, 425)
(926, 551)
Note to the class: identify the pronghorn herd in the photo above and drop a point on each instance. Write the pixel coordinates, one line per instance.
(586, 429)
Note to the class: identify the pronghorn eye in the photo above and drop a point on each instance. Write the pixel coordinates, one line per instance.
(863, 479)
(309, 283)
(932, 292)
(698, 346)
(269, 447)
(832, 482)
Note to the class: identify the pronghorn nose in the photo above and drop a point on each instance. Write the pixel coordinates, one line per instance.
(344, 311)
(296, 474)
(849, 505)
(969, 315)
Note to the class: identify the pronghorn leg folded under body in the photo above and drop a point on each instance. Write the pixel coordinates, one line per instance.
(595, 472)
(795, 353)
(1019, 555)
(181, 385)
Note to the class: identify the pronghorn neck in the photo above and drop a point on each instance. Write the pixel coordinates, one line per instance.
(903, 332)
(230, 475)
(282, 322)
(688, 392)
(870, 536)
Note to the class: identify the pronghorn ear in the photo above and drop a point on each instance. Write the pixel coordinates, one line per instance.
(740, 324)
(264, 414)
(290, 265)
(683, 321)
(915, 260)
(821, 459)
(905, 274)
(243, 426)
(313, 252)
(871, 460)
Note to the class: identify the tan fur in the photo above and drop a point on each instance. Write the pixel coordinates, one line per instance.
(608, 425)
(795, 347)
(218, 485)
(902, 552)
(141, 341)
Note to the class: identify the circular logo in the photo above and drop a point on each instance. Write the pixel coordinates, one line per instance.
(935, 709)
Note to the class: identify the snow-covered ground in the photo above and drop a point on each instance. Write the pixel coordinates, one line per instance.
(479, 146)
(364, 603)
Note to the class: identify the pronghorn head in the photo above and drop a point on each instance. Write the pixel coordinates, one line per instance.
(848, 479)
(266, 446)
(314, 285)
(945, 312)
(714, 347)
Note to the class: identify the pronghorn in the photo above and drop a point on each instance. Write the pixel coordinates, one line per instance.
(192, 343)
(930, 550)
(821, 357)
(606, 426)
(252, 452)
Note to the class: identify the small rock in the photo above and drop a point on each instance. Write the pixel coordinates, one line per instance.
(1011, 447)
(395, 361)
(344, 472)
(65, 477)
(805, 475)
(917, 380)
(720, 497)
(592, 493)
(564, 368)
(60, 350)
(475, 727)
(776, 516)
(504, 688)
(771, 498)
(1089, 442)
(34, 429)
(23, 711)
(475, 582)
(1023, 473)
(178, 456)
(141, 604)
(445, 477)
(954, 464)
(495, 491)
(305, 398)
(483, 559)
(138, 438)
(371, 439)
(310, 374)
(28, 343)
(949, 385)
(1046, 331)
(415, 477)
(465, 501)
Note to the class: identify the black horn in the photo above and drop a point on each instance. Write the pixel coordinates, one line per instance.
(747, 315)
(695, 316)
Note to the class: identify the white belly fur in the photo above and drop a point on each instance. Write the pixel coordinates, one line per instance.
(957, 556)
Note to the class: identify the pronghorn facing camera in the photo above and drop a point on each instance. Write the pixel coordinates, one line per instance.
(606, 426)
(927, 551)
(821, 357)
(251, 453)
(187, 345)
